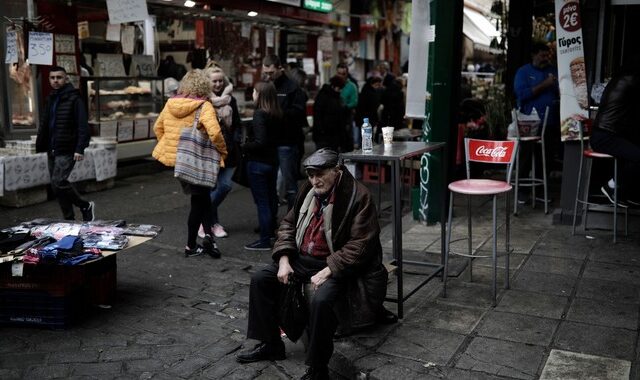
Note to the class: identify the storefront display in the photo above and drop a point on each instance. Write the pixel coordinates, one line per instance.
(130, 102)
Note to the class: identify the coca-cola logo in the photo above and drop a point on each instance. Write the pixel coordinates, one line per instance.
(497, 152)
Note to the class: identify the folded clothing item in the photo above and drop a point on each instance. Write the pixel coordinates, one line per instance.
(79, 259)
(68, 246)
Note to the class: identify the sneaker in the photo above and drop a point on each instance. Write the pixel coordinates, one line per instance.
(88, 214)
(197, 251)
(218, 231)
(258, 246)
(210, 247)
(201, 232)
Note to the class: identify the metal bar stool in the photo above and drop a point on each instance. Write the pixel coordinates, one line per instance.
(532, 181)
(591, 154)
(494, 152)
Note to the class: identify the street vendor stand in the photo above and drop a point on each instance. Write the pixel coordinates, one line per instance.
(54, 295)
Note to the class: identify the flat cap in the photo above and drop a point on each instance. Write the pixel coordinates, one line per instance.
(321, 159)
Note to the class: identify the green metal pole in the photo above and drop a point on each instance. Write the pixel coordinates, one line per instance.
(443, 84)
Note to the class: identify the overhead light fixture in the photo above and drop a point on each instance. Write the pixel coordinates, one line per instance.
(189, 3)
(252, 14)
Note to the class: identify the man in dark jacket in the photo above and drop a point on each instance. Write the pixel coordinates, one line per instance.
(290, 142)
(331, 238)
(330, 116)
(64, 134)
(616, 130)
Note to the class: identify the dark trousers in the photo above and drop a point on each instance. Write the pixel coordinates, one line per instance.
(200, 212)
(628, 154)
(60, 168)
(263, 305)
(262, 181)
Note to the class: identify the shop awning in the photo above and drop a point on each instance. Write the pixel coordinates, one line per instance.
(479, 30)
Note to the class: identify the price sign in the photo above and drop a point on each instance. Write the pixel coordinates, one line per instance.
(68, 62)
(144, 65)
(12, 47)
(128, 39)
(40, 48)
(65, 43)
(110, 65)
(126, 10)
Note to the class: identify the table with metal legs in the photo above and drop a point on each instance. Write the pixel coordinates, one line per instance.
(400, 151)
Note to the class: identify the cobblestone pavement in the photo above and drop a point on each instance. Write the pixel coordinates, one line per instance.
(572, 310)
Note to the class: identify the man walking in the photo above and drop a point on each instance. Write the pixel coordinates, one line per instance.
(64, 134)
(290, 139)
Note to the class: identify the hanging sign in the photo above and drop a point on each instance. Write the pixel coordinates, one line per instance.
(40, 48)
(68, 62)
(269, 37)
(113, 32)
(83, 30)
(11, 55)
(128, 39)
(121, 11)
(572, 73)
(110, 65)
(65, 43)
(144, 65)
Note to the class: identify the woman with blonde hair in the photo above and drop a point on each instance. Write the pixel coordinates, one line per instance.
(229, 119)
(179, 113)
(262, 161)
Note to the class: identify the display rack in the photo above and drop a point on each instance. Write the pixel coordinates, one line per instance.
(125, 109)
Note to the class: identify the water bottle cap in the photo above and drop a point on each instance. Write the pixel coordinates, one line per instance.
(365, 120)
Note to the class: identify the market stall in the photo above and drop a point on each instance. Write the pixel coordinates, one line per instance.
(52, 273)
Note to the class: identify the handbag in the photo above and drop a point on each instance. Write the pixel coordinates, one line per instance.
(240, 175)
(293, 312)
(197, 159)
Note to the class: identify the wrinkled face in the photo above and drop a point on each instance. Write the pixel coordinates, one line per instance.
(323, 180)
(541, 59)
(57, 79)
(217, 82)
(271, 73)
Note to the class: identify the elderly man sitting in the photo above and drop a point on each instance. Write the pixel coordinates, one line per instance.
(330, 238)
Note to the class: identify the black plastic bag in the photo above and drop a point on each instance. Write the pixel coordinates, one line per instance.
(293, 312)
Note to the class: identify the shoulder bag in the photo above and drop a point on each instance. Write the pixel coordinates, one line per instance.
(197, 159)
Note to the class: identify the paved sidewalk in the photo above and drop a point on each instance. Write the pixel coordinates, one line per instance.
(572, 310)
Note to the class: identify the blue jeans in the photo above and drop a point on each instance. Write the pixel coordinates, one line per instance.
(218, 194)
(288, 162)
(262, 181)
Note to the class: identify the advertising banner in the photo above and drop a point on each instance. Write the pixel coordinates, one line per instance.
(572, 73)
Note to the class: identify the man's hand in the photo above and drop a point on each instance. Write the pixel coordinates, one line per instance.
(284, 270)
(78, 157)
(549, 81)
(320, 277)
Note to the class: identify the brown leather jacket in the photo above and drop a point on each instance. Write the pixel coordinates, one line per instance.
(357, 252)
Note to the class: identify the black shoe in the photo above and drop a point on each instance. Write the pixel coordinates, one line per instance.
(88, 214)
(316, 373)
(258, 246)
(197, 251)
(210, 247)
(263, 351)
(386, 317)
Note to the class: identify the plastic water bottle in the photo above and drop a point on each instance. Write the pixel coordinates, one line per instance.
(367, 136)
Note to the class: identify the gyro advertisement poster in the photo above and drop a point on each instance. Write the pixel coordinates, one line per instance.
(572, 74)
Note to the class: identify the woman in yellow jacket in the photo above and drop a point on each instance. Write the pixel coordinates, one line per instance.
(177, 114)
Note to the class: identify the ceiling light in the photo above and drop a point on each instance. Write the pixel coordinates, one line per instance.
(252, 14)
(189, 3)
